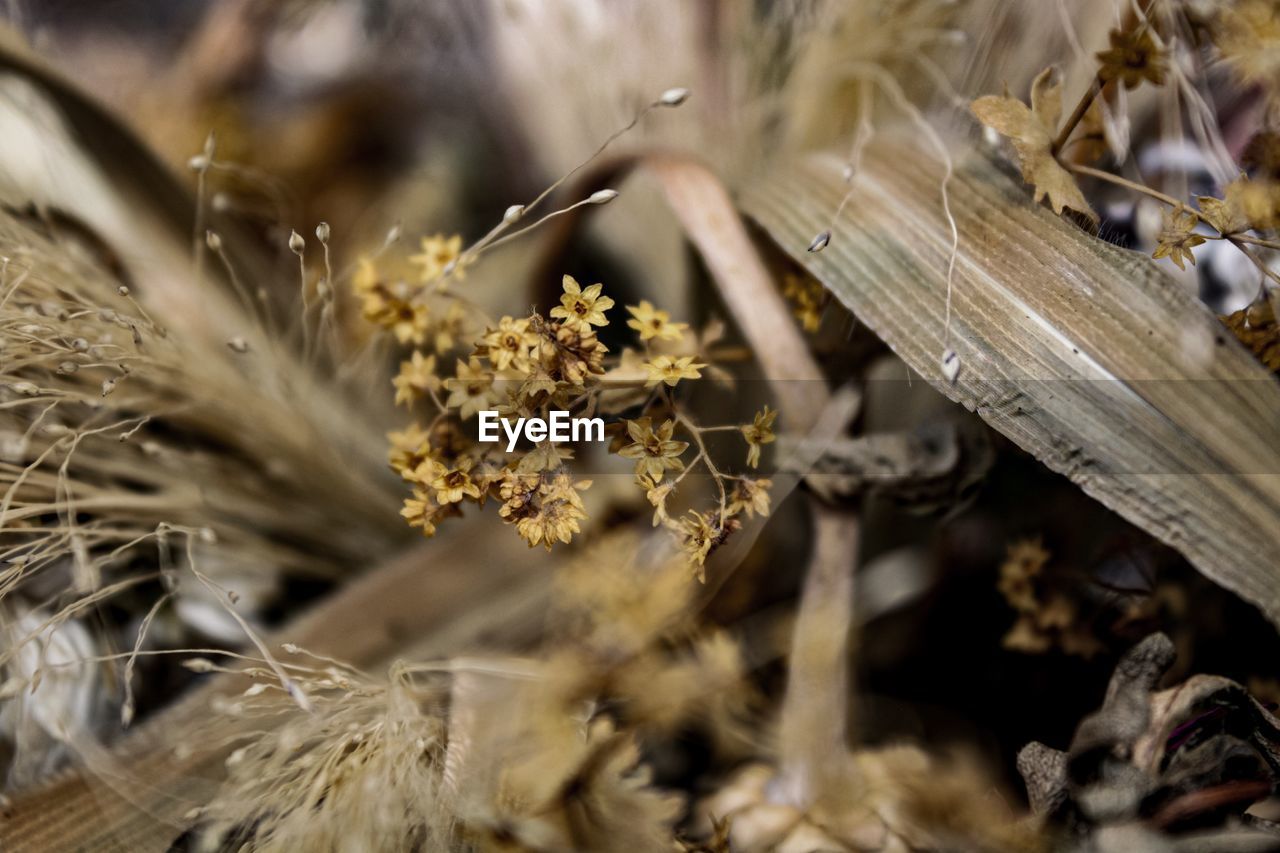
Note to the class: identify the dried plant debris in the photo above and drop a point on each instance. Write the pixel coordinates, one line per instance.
(936, 467)
(1032, 132)
(1256, 328)
(260, 416)
(435, 755)
(1160, 769)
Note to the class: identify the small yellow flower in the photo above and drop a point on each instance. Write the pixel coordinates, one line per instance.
(553, 522)
(517, 492)
(555, 519)
(657, 496)
(1257, 201)
(759, 433)
(654, 452)
(419, 512)
(451, 329)
(652, 323)
(409, 321)
(425, 472)
(437, 253)
(582, 307)
(453, 484)
(664, 368)
(408, 448)
(417, 378)
(471, 389)
(1178, 237)
(509, 345)
(1132, 58)
(808, 299)
(700, 535)
(1024, 562)
(751, 496)
(1247, 33)
(563, 488)
(573, 353)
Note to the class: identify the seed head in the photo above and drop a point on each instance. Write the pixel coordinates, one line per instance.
(820, 242)
(673, 97)
(322, 233)
(603, 196)
(296, 244)
(950, 365)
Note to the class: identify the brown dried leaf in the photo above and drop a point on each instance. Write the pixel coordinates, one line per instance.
(1074, 349)
(1032, 131)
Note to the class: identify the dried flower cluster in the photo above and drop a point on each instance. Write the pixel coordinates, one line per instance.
(1046, 617)
(808, 299)
(528, 366)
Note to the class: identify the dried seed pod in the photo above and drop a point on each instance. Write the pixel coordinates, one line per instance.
(673, 97)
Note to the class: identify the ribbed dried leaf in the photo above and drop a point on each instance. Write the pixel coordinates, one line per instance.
(1082, 353)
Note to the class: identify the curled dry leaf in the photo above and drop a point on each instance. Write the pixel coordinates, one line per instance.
(1032, 130)
(1194, 755)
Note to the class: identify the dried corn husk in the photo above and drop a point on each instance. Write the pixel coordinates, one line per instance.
(1084, 354)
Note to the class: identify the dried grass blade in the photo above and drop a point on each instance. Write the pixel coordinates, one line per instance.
(1084, 354)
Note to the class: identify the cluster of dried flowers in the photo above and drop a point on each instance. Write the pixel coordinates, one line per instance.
(1047, 618)
(1170, 47)
(807, 297)
(527, 367)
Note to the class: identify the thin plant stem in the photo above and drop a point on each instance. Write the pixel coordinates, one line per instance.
(1077, 115)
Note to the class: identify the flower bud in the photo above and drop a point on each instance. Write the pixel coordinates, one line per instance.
(951, 365)
(673, 97)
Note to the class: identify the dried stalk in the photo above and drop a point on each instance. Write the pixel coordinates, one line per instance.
(1084, 354)
(815, 708)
